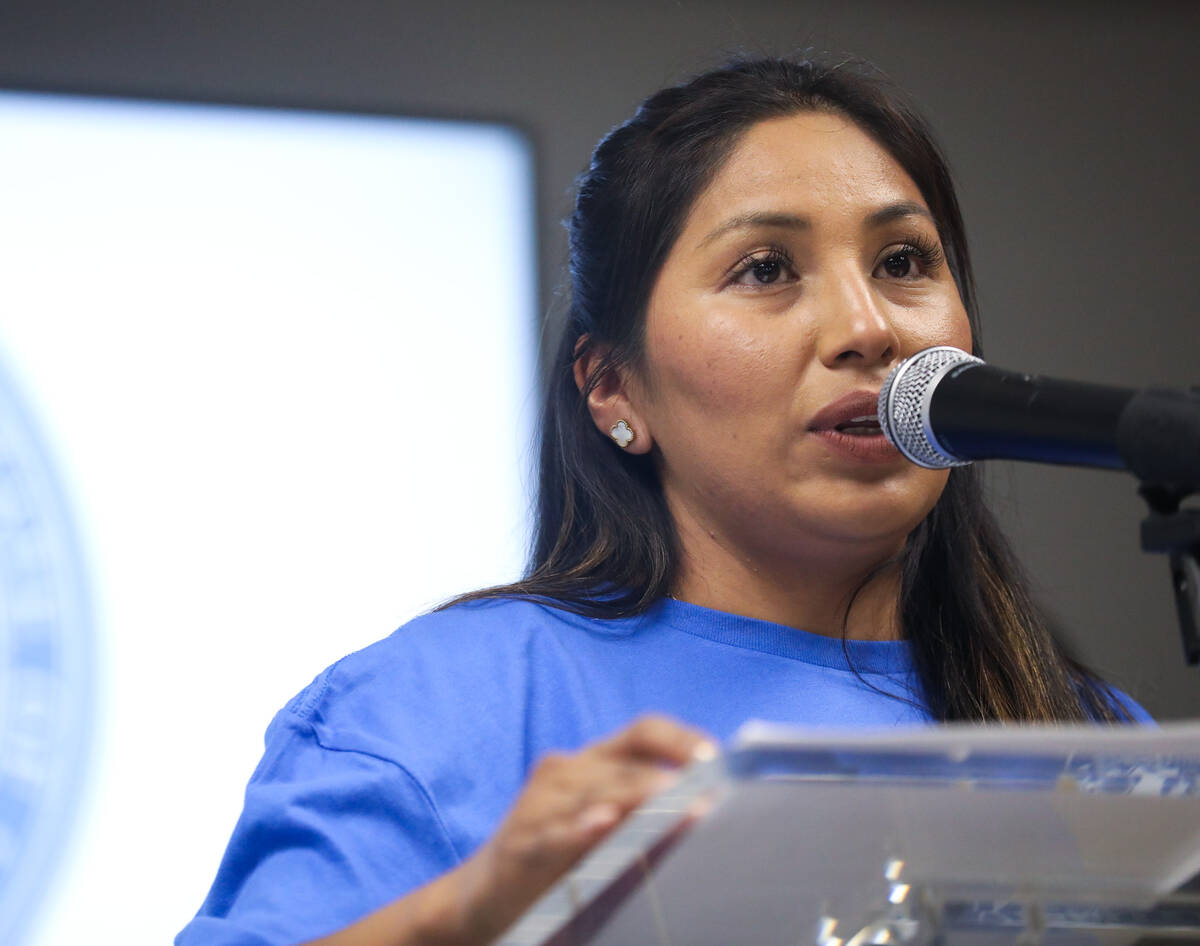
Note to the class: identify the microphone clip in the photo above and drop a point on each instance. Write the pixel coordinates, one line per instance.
(1175, 531)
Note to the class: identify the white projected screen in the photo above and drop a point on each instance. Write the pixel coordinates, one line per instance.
(281, 367)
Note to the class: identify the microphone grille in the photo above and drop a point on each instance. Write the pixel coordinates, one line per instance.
(904, 405)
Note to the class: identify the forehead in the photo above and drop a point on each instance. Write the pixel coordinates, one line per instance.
(809, 163)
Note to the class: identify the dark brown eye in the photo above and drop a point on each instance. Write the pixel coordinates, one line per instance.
(771, 268)
(767, 271)
(899, 265)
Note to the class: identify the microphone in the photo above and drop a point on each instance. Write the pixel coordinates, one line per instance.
(943, 407)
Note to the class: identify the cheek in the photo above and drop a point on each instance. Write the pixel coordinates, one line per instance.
(719, 365)
(934, 483)
(957, 326)
(945, 325)
(958, 331)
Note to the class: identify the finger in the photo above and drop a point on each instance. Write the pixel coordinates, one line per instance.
(592, 779)
(595, 821)
(559, 841)
(514, 868)
(562, 786)
(551, 844)
(660, 739)
(627, 785)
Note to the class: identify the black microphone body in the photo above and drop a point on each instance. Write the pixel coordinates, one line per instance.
(978, 412)
(943, 407)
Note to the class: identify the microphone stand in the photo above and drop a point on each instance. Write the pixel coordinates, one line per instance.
(1176, 532)
(1158, 438)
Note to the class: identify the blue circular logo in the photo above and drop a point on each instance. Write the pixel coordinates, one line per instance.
(45, 668)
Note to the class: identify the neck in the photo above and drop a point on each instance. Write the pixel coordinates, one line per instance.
(827, 588)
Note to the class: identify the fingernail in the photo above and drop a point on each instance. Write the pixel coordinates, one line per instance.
(598, 816)
(705, 752)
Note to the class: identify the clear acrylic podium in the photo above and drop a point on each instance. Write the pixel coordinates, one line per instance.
(945, 835)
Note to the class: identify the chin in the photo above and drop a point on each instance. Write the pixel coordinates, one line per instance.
(881, 518)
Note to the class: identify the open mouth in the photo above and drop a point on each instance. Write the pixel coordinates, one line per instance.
(865, 426)
(849, 428)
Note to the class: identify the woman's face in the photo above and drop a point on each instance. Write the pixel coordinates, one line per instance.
(804, 272)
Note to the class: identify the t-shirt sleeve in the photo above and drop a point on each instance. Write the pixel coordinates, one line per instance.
(327, 835)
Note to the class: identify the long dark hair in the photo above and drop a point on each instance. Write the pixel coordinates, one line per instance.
(605, 544)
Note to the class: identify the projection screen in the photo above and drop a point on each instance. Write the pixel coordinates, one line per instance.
(267, 390)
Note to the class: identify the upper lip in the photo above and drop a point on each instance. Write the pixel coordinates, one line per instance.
(857, 405)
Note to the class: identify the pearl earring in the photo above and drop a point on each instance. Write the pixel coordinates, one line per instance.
(622, 433)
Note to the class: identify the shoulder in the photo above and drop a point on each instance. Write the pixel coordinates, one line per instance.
(396, 762)
(464, 672)
(476, 636)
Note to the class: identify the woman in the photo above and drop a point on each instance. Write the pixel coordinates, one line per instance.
(722, 532)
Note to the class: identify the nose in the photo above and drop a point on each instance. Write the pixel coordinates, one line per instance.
(856, 329)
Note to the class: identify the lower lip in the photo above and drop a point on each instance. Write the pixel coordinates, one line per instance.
(869, 448)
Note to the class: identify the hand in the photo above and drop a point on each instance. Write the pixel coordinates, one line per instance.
(569, 803)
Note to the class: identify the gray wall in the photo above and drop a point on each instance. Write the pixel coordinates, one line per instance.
(1073, 129)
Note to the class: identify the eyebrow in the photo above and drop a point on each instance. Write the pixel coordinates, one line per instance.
(757, 219)
(877, 218)
(902, 208)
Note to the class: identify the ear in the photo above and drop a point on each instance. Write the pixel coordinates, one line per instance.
(610, 401)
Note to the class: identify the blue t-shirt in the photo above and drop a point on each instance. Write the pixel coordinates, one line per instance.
(398, 761)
